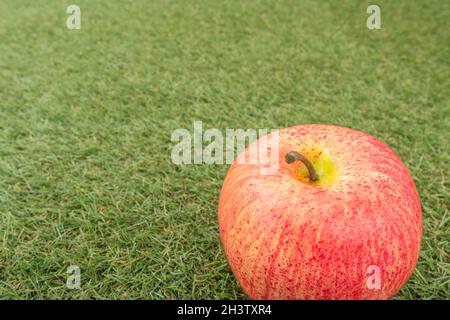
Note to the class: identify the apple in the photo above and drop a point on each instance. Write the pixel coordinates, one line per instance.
(340, 218)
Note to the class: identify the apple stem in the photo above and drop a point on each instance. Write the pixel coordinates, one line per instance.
(294, 155)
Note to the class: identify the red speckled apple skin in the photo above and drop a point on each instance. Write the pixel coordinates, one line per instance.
(285, 239)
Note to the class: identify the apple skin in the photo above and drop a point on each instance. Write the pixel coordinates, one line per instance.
(288, 238)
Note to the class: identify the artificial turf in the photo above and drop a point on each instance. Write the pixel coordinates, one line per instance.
(86, 118)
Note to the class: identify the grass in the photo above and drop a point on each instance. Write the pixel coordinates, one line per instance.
(86, 118)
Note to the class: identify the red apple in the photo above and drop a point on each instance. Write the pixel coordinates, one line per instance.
(353, 233)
